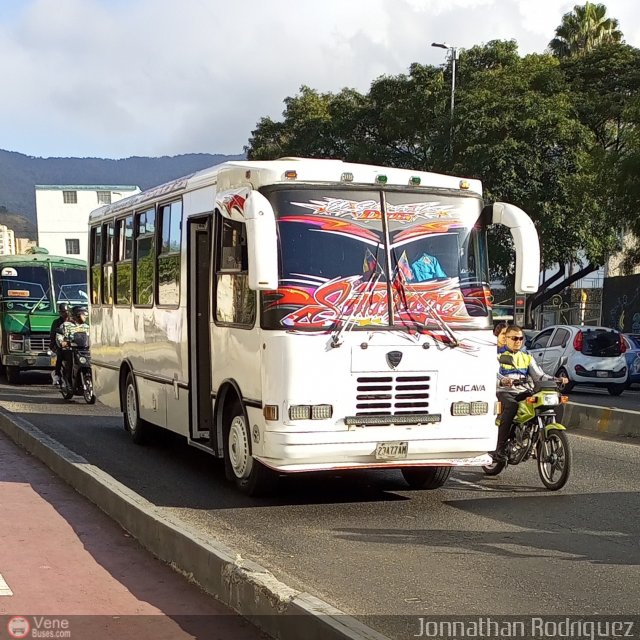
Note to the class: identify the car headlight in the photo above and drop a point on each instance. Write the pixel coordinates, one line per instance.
(550, 399)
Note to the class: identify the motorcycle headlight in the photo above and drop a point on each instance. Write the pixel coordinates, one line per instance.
(550, 399)
(82, 360)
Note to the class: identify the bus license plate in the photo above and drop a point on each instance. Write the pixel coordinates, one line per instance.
(392, 450)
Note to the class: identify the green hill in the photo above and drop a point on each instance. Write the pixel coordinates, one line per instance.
(20, 173)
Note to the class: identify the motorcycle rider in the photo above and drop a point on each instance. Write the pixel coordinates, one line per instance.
(68, 330)
(64, 313)
(515, 383)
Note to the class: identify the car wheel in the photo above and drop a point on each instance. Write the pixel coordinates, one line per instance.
(565, 388)
(616, 389)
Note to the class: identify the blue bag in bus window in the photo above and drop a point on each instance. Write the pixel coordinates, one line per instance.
(427, 267)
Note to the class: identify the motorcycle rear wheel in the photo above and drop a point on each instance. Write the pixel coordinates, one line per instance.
(554, 459)
(87, 388)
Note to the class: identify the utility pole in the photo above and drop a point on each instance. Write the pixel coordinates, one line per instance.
(453, 56)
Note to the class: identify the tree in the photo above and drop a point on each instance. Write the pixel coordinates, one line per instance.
(583, 29)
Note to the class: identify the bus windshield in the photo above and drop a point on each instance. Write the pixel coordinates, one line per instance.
(70, 284)
(24, 287)
(335, 266)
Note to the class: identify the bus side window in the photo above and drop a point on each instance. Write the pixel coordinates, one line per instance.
(169, 254)
(145, 257)
(96, 265)
(235, 303)
(107, 269)
(124, 255)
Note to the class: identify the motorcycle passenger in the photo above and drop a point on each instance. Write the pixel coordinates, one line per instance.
(68, 331)
(515, 383)
(500, 332)
(64, 314)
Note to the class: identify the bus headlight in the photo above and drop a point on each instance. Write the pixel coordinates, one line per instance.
(479, 408)
(310, 412)
(460, 409)
(16, 342)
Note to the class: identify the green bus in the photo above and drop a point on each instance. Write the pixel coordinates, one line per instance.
(31, 287)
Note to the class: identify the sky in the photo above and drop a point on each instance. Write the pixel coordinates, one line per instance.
(121, 78)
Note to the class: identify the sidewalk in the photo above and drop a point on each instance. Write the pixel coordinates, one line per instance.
(65, 566)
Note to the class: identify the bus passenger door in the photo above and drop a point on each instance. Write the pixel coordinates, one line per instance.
(201, 406)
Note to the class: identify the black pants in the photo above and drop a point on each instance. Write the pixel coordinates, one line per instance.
(58, 353)
(64, 354)
(509, 402)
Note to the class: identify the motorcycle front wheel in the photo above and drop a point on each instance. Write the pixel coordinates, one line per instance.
(87, 387)
(554, 459)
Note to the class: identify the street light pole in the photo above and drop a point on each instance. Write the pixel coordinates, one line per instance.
(453, 53)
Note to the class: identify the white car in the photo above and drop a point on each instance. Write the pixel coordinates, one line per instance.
(585, 355)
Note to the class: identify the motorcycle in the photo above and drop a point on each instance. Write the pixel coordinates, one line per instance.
(76, 377)
(535, 433)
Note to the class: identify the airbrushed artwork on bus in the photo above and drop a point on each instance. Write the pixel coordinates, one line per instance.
(430, 270)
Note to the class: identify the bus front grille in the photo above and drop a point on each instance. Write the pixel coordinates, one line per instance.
(394, 394)
(39, 343)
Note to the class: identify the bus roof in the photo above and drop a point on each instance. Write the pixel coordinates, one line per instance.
(239, 173)
(42, 257)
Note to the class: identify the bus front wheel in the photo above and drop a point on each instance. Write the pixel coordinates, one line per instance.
(13, 374)
(250, 476)
(426, 477)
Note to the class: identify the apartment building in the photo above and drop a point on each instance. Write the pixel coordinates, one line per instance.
(62, 213)
(7, 241)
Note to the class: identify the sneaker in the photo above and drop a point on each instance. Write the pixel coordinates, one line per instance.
(498, 456)
(55, 378)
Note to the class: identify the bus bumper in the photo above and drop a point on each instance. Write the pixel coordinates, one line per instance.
(297, 452)
(28, 361)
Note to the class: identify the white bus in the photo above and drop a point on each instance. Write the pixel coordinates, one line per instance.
(301, 315)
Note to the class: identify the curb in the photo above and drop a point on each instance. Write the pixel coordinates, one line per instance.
(602, 420)
(244, 586)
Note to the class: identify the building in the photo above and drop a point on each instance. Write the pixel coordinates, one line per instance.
(24, 244)
(7, 241)
(62, 213)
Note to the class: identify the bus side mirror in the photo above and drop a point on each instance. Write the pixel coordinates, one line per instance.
(263, 243)
(525, 239)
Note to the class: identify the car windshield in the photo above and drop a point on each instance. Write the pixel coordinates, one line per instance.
(70, 284)
(335, 265)
(24, 287)
(600, 343)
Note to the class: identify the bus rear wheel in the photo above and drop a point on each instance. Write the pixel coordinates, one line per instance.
(138, 429)
(250, 476)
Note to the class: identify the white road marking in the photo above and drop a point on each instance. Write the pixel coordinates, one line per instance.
(472, 484)
(4, 587)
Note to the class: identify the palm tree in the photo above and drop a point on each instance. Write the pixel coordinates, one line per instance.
(583, 29)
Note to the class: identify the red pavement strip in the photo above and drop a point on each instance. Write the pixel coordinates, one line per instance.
(61, 556)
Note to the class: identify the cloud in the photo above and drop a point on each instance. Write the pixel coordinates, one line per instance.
(113, 78)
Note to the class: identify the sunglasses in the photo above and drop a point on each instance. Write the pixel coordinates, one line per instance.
(515, 339)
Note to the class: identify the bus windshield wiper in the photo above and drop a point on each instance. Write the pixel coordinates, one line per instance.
(358, 307)
(428, 306)
(35, 306)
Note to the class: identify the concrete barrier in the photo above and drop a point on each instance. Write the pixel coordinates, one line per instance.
(244, 586)
(601, 420)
